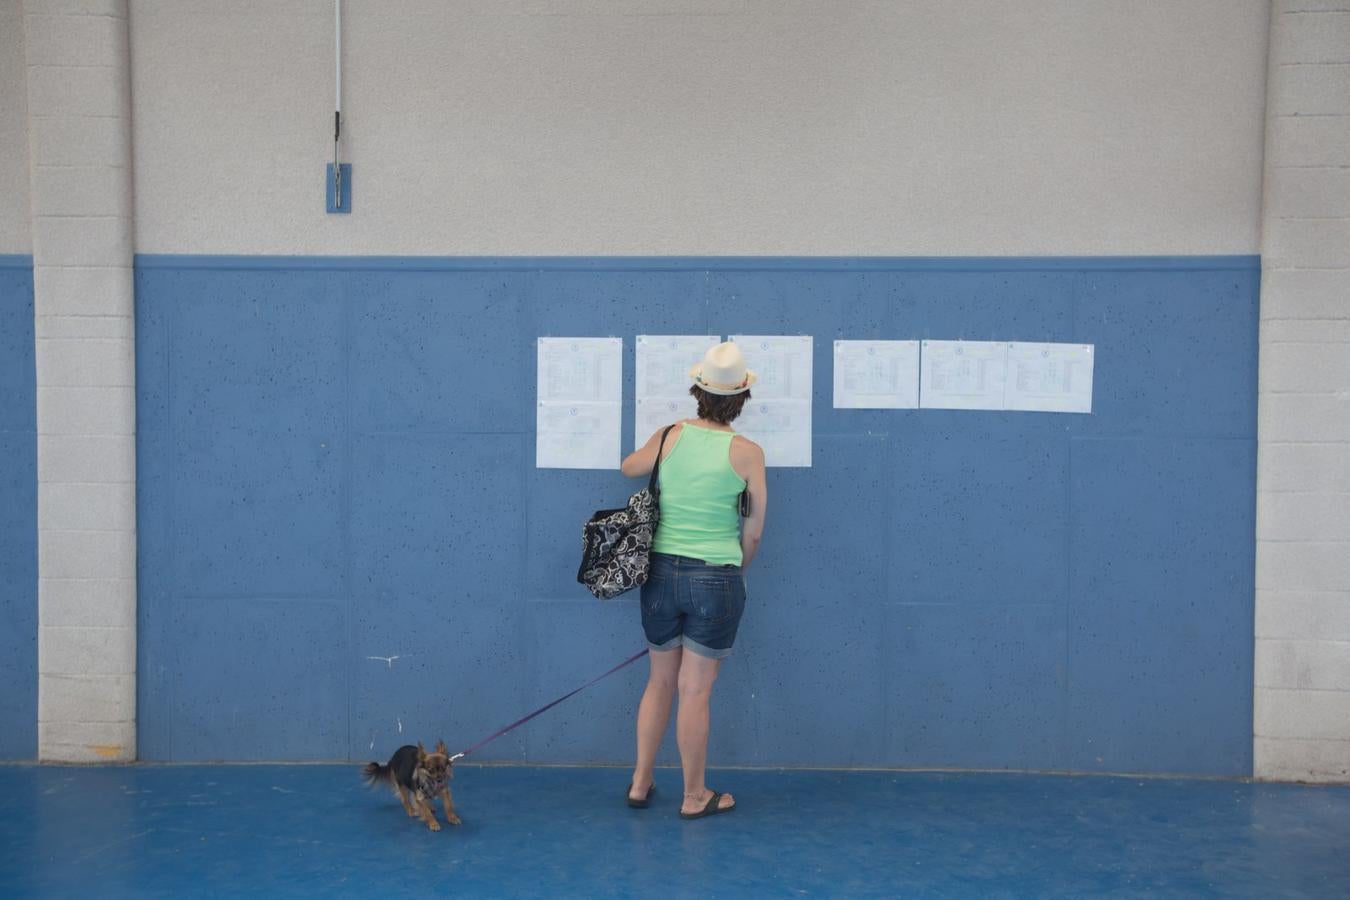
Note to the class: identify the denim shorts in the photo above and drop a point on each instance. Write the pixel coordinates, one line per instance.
(687, 602)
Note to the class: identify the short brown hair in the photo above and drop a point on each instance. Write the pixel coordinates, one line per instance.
(716, 407)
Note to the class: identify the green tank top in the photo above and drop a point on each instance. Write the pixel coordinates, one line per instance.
(700, 516)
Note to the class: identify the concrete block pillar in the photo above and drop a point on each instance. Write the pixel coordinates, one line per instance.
(1302, 689)
(79, 126)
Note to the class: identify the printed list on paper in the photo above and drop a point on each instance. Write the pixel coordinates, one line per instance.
(579, 389)
(663, 363)
(1049, 378)
(778, 415)
(876, 374)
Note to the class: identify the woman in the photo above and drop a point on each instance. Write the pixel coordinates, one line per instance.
(694, 596)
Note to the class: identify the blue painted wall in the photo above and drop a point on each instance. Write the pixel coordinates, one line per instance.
(335, 466)
(18, 512)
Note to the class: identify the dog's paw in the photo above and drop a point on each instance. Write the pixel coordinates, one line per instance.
(453, 819)
(434, 825)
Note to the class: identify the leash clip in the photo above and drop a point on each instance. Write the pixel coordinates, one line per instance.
(456, 756)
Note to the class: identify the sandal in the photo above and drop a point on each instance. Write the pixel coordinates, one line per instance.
(644, 802)
(710, 809)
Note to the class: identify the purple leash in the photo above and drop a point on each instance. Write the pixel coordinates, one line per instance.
(543, 709)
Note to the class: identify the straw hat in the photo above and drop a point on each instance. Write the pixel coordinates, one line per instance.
(723, 371)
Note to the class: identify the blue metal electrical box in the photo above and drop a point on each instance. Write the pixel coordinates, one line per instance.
(346, 205)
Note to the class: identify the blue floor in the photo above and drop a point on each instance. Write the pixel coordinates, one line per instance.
(314, 830)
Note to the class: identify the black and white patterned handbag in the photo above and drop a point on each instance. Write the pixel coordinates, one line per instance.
(615, 543)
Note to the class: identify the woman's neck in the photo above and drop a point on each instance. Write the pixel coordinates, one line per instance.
(711, 426)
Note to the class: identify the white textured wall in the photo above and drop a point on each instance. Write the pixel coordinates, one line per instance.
(1303, 486)
(80, 146)
(703, 126)
(14, 232)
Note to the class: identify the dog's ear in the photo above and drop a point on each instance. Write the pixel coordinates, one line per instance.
(441, 748)
(421, 751)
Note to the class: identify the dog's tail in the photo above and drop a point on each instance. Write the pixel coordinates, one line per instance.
(372, 773)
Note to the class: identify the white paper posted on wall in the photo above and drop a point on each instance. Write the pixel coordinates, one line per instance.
(963, 374)
(876, 374)
(579, 390)
(1049, 377)
(1007, 375)
(662, 370)
(778, 416)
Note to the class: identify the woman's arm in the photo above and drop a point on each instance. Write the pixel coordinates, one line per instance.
(747, 458)
(641, 460)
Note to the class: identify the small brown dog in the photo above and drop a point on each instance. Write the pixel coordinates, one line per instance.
(412, 770)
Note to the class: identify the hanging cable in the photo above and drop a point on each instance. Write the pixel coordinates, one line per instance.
(337, 103)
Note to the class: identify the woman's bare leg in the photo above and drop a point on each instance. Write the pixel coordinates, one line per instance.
(653, 715)
(697, 674)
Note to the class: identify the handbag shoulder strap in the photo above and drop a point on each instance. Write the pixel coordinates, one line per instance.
(656, 466)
